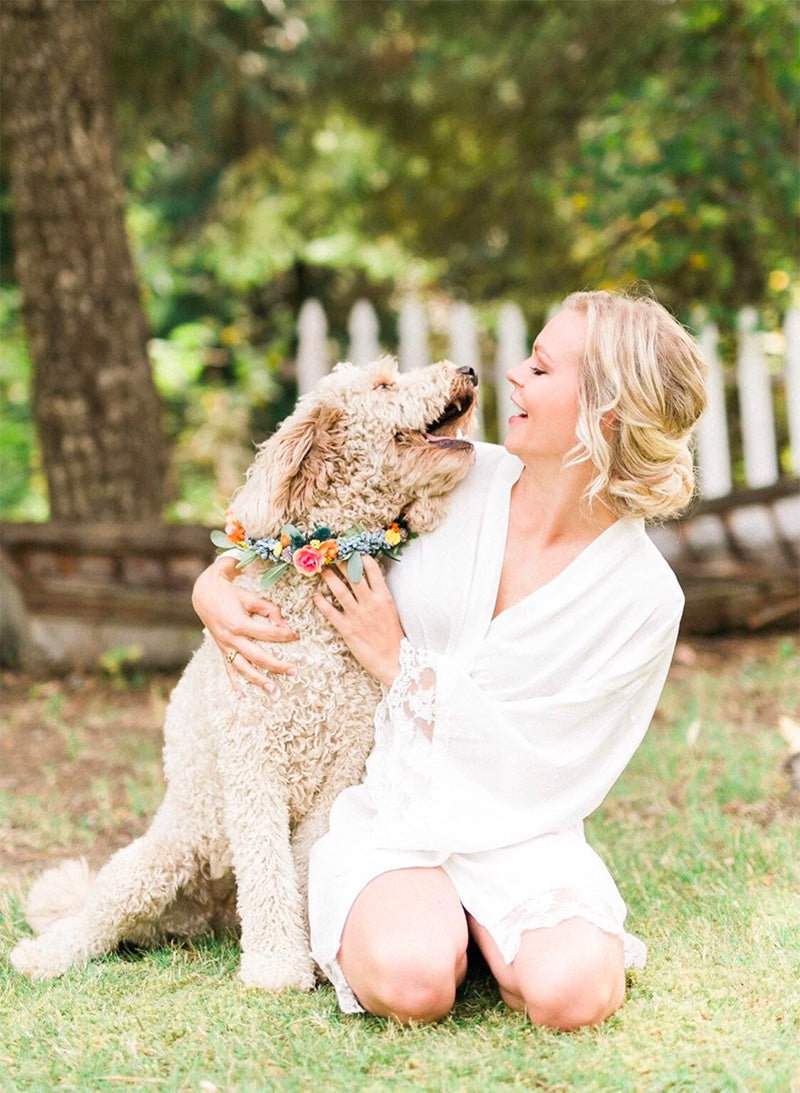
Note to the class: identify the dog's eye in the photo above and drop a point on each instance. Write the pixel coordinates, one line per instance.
(382, 387)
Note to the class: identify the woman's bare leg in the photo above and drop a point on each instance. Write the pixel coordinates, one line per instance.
(404, 945)
(565, 976)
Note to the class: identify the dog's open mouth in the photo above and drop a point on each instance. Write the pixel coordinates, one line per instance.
(448, 429)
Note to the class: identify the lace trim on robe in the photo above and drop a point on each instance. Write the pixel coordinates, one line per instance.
(400, 766)
(348, 1003)
(549, 909)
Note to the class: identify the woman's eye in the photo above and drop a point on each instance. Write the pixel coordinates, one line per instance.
(537, 371)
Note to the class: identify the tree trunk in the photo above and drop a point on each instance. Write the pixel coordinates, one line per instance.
(96, 408)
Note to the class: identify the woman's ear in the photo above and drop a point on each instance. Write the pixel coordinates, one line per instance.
(608, 424)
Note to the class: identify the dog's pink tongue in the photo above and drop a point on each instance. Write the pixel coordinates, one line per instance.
(448, 441)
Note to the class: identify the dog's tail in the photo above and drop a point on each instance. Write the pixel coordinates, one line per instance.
(59, 892)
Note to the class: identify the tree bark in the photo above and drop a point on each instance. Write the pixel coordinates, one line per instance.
(96, 408)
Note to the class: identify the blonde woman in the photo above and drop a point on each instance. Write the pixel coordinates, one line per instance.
(522, 646)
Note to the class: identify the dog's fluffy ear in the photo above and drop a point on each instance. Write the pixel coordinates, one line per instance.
(288, 470)
(425, 513)
(302, 464)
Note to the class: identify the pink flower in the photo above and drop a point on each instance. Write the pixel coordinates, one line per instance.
(307, 560)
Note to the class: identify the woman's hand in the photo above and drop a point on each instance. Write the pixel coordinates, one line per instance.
(237, 620)
(365, 615)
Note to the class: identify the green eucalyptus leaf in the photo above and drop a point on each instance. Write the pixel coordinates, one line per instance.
(291, 531)
(246, 556)
(271, 576)
(220, 539)
(355, 567)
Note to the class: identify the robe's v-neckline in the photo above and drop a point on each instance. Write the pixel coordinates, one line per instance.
(498, 549)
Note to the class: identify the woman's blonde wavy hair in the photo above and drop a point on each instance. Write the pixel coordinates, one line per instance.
(641, 391)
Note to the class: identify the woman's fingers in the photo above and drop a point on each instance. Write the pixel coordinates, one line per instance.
(260, 656)
(339, 588)
(249, 661)
(240, 669)
(346, 590)
(250, 637)
(243, 625)
(233, 678)
(258, 608)
(373, 574)
(329, 610)
(245, 659)
(260, 620)
(366, 617)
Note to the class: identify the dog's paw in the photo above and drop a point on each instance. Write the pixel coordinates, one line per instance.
(268, 972)
(37, 958)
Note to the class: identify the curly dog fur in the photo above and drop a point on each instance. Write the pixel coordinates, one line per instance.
(250, 781)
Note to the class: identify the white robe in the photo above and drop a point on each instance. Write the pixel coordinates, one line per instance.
(498, 730)
(500, 736)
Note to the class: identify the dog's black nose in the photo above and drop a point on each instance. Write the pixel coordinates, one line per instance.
(468, 370)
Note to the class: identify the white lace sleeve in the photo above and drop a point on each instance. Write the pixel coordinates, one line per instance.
(399, 768)
(410, 703)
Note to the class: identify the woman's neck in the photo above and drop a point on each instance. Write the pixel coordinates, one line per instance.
(549, 505)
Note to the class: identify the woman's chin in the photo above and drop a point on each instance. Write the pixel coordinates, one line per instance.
(513, 437)
(510, 444)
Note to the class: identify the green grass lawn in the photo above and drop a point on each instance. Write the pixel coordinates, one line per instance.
(702, 833)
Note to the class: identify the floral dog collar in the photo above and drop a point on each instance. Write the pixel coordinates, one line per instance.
(308, 554)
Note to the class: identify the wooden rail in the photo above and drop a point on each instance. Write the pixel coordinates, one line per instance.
(732, 578)
(143, 574)
(127, 573)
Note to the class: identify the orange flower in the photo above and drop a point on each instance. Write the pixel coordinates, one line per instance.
(233, 529)
(330, 548)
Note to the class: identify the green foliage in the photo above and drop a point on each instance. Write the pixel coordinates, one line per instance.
(494, 148)
(490, 150)
(269, 578)
(689, 182)
(355, 567)
(122, 665)
(22, 494)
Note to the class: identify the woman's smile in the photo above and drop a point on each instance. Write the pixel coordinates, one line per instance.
(545, 391)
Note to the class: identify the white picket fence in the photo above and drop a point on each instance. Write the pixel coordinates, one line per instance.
(764, 362)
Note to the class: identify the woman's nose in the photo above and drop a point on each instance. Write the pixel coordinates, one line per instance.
(511, 374)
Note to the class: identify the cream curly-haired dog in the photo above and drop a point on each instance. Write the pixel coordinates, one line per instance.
(250, 781)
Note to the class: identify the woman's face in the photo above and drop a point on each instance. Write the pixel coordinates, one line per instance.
(545, 388)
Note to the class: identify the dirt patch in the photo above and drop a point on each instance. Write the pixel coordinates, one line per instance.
(80, 770)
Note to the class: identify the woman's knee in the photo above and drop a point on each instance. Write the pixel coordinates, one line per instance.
(404, 944)
(410, 985)
(570, 1003)
(572, 985)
